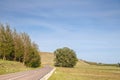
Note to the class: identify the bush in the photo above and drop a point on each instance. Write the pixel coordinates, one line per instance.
(65, 57)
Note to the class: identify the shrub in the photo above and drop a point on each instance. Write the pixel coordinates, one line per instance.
(65, 57)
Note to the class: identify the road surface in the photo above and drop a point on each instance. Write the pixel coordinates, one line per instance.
(27, 75)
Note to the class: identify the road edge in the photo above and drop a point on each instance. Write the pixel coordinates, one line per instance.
(48, 75)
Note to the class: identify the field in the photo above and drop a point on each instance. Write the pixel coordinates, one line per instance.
(11, 67)
(84, 71)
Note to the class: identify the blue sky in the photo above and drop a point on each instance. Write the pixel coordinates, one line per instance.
(89, 27)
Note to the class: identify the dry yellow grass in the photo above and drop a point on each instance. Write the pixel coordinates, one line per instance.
(86, 72)
(11, 67)
(47, 58)
(82, 71)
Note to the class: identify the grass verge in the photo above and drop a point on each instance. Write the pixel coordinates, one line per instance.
(11, 67)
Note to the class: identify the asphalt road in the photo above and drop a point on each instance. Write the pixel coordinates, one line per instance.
(27, 75)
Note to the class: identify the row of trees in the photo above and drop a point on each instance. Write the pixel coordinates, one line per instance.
(18, 47)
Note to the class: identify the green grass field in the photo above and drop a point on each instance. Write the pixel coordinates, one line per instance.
(11, 67)
(84, 71)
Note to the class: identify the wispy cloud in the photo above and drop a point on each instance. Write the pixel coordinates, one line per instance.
(88, 26)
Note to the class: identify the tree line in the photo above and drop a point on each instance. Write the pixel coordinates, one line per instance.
(16, 46)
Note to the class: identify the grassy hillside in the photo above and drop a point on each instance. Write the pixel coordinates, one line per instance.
(82, 71)
(47, 58)
(11, 66)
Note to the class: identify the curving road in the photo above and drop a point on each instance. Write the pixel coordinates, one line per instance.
(27, 75)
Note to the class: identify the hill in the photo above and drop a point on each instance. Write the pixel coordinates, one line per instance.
(47, 58)
(82, 71)
(11, 66)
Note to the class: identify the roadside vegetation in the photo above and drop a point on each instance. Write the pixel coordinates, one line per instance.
(11, 67)
(16, 46)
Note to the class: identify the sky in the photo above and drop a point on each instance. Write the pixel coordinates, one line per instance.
(90, 27)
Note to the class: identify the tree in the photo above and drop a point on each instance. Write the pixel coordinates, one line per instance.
(27, 44)
(2, 41)
(118, 64)
(65, 57)
(18, 47)
(36, 60)
(6, 42)
(33, 59)
(9, 44)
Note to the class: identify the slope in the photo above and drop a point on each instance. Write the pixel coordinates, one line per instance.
(47, 58)
(11, 66)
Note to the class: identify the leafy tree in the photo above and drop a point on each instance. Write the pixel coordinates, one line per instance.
(18, 47)
(10, 44)
(36, 60)
(33, 59)
(27, 44)
(65, 57)
(6, 42)
(2, 41)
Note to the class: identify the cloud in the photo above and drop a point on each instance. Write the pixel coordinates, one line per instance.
(60, 11)
(90, 27)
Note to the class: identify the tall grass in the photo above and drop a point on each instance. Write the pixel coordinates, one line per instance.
(11, 66)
